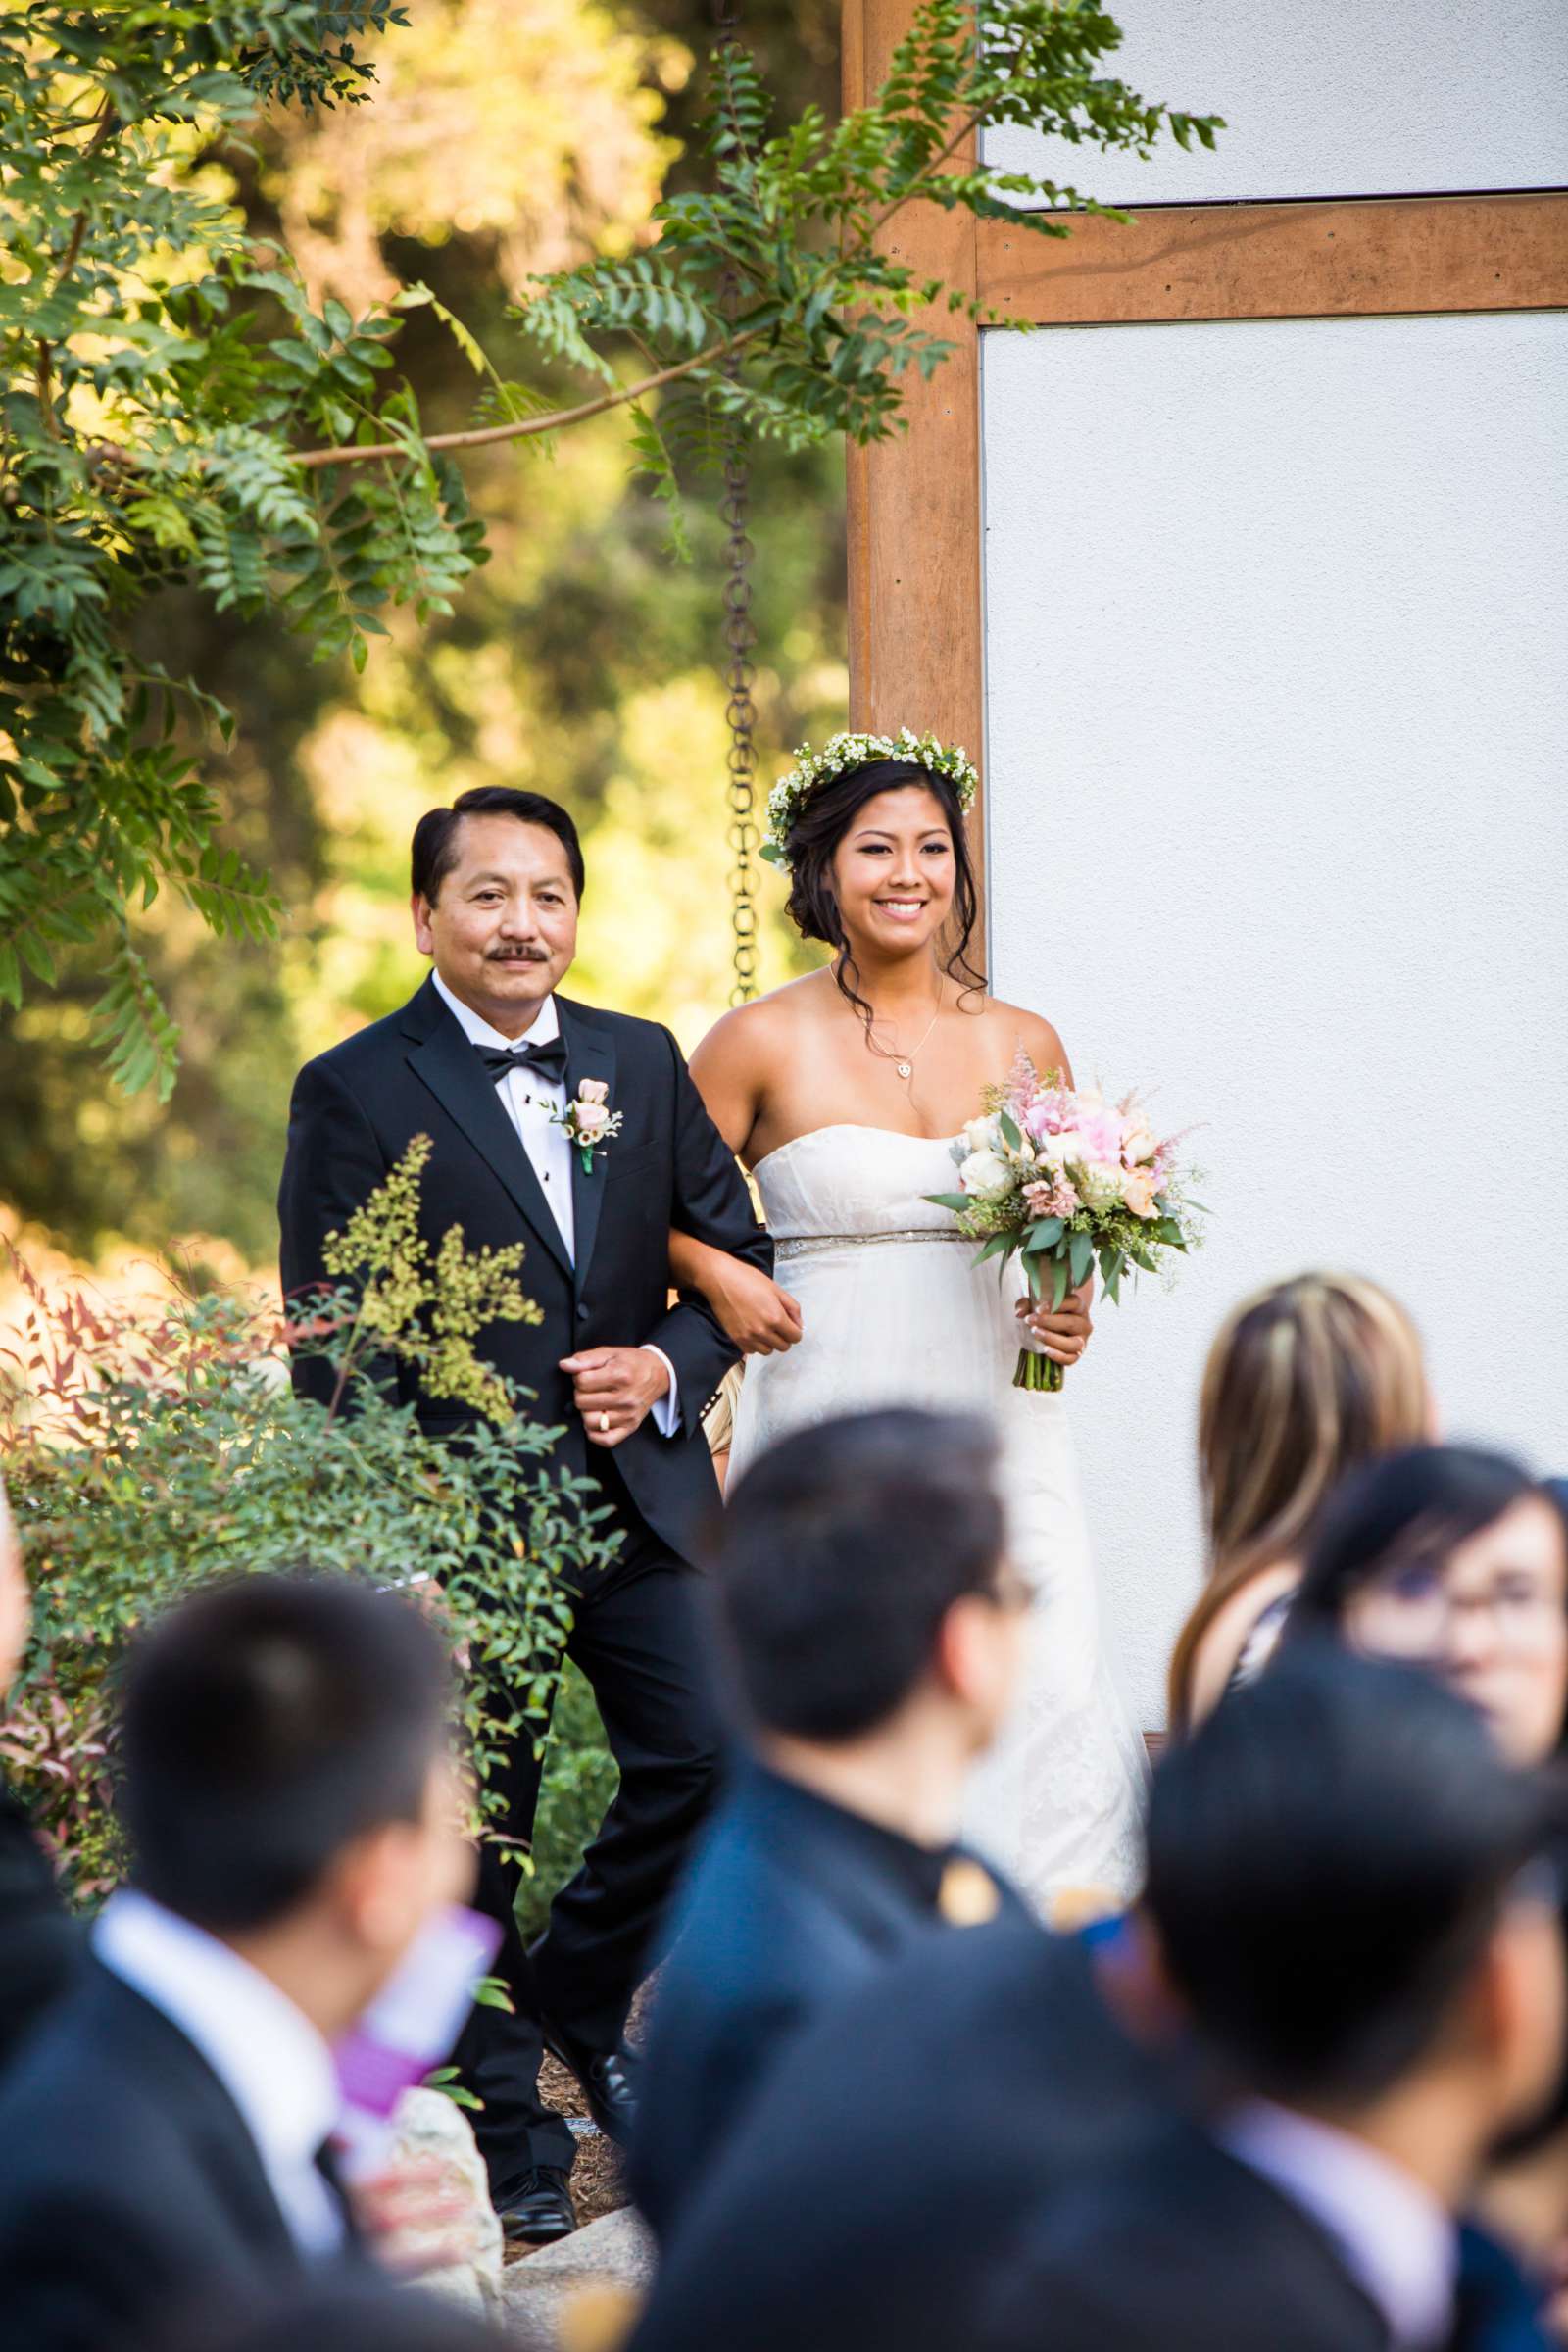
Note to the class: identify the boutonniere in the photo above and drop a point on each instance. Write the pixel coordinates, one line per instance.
(589, 1121)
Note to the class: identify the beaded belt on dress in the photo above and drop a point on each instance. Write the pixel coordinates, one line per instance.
(800, 1245)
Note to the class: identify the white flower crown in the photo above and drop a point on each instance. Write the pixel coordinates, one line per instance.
(838, 756)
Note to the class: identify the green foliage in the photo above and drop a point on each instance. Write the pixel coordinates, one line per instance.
(177, 413)
(151, 1449)
(579, 1781)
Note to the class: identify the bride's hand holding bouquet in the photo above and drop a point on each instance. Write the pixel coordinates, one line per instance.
(1063, 1179)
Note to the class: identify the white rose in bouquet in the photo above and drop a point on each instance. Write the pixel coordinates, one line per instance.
(984, 1175)
(982, 1135)
(1100, 1184)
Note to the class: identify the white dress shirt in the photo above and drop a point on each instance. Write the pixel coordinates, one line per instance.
(269, 2058)
(1393, 2237)
(533, 1103)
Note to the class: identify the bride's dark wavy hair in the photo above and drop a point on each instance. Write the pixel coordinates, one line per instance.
(814, 838)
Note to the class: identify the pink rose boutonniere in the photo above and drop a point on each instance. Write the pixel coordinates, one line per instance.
(589, 1121)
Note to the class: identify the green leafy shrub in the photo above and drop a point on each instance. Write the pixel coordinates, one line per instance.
(579, 1781)
(151, 1447)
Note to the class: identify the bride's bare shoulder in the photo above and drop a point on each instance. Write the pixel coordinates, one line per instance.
(750, 1035)
(1013, 1029)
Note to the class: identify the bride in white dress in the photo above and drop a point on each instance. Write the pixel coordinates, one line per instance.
(843, 1093)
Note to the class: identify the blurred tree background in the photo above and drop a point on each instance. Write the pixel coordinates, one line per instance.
(503, 136)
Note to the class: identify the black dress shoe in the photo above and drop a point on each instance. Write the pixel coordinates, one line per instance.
(605, 2080)
(540, 2208)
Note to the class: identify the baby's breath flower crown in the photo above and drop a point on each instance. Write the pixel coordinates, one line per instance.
(840, 753)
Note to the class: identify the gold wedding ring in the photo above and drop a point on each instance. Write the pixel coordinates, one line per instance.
(604, 1423)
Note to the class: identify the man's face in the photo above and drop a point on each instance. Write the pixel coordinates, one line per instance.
(502, 928)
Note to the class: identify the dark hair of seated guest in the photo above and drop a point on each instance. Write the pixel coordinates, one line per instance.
(1394, 1546)
(839, 1554)
(267, 1724)
(1327, 1860)
(1440, 1494)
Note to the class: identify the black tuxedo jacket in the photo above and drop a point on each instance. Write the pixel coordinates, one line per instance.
(1179, 2249)
(130, 2190)
(900, 2147)
(790, 1903)
(356, 1109)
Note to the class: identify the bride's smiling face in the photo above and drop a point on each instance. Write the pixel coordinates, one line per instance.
(894, 870)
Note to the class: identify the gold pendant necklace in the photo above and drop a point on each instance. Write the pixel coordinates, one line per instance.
(906, 1068)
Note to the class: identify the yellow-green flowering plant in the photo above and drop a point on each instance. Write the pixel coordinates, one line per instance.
(149, 1448)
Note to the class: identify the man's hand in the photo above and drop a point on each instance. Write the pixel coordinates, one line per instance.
(415, 2216)
(1062, 1334)
(614, 1389)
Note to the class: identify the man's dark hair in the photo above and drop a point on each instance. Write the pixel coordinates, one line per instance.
(840, 1553)
(435, 836)
(264, 1725)
(1327, 1858)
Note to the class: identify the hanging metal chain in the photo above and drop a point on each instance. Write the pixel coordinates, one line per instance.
(740, 634)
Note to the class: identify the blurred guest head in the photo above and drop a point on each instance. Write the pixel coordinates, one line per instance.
(864, 1589)
(1305, 1380)
(287, 1780)
(1346, 1894)
(1454, 1559)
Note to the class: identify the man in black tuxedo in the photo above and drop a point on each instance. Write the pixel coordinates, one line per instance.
(484, 1059)
(872, 1628)
(294, 1820)
(1346, 1897)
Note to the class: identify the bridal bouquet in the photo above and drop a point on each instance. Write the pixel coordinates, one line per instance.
(1061, 1178)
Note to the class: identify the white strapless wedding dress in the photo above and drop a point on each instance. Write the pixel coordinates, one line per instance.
(896, 1313)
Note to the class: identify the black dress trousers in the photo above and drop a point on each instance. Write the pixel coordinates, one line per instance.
(639, 1639)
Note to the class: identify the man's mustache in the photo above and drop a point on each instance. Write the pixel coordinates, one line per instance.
(516, 956)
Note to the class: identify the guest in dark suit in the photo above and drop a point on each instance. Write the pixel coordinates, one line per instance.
(40, 1944)
(339, 2317)
(912, 2130)
(1345, 1896)
(485, 1060)
(870, 1625)
(293, 1818)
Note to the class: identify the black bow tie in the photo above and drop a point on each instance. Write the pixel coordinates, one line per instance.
(548, 1061)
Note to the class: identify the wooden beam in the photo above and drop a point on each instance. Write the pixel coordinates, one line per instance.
(1365, 256)
(914, 500)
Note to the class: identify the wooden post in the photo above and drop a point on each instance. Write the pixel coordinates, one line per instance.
(915, 554)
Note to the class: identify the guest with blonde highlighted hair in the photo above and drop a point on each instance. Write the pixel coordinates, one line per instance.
(1305, 1380)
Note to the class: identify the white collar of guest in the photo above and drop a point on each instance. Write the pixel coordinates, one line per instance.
(478, 1032)
(269, 2058)
(1391, 2233)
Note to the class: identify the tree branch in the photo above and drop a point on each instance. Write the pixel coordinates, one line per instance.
(107, 124)
(524, 428)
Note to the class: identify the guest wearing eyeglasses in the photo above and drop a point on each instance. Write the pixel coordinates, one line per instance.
(1453, 1558)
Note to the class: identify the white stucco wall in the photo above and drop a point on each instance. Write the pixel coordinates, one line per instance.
(1336, 98)
(1277, 677)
